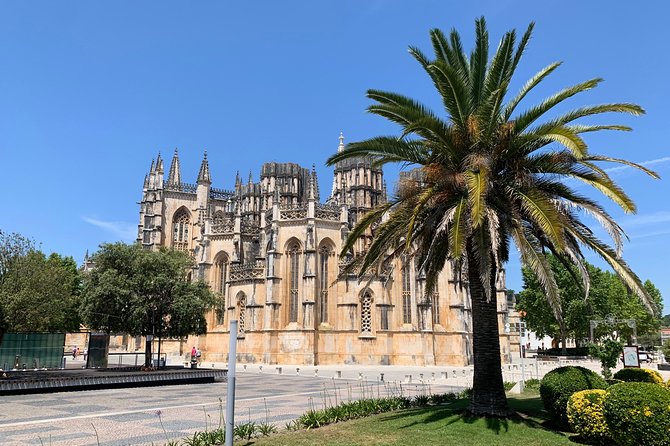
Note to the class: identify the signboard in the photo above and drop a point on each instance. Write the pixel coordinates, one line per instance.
(630, 356)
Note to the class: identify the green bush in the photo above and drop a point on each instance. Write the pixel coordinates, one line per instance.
(558, 386)
(585, 415)
(638, 414)
(639, 375)
(532, 385)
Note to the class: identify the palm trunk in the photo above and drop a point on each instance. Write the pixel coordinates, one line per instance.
(488, 392)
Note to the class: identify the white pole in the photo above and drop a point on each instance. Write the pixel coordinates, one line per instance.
(230, 398)
(522, 333)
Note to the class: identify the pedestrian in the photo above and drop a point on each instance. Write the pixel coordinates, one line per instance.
(85, 353)
(74, 352)
(198, 355)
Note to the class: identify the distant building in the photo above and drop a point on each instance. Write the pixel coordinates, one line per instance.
(270, 251)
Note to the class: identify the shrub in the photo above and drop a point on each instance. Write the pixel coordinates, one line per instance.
(585, 415)
(532, 385)
(558, 386)
(508, 385)
(639, 375)
(573, 351)
(638, 413)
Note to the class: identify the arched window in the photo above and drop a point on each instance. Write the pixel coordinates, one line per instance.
(241, 314)
(181, 223)
(366, 313)
(324, 254)
(221, 275)
(406, 294)
(220, 286)
(436, 306)
(293, 274)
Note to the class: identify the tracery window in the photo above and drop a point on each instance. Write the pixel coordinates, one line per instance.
(366, 313)
(294, 265)
(436, 306)
(181, 222)
(241, 315)
(406, 294)
(218, 218)
(324, 254)
(221, 271)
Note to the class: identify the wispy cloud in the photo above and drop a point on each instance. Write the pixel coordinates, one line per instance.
(647, 219)
(648, 163)
(651, 234)
(125, 231)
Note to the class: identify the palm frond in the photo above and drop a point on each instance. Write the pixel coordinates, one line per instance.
(532, 257)
(524, 120)
(527, 87)
(610, 159)
(477, 181)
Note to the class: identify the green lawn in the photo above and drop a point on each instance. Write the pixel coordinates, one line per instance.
(432, 426)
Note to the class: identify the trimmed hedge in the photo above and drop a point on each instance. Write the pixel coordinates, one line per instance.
(585, 415)
(638, 414)
(572, 351)
(558, 386)
(639, 375)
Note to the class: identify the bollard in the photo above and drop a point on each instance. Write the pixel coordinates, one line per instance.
(382, 377)
(260, 369)
(338, 374)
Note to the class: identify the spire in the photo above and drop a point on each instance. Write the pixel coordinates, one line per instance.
(203, 175)
(159, 163)
(152, 169)
(251, 179)
(238, 179)
(311, 194)
(174, 178)
(340, 147)
(317, 194)
(146, 181)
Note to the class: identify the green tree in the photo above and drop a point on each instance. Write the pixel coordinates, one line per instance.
(487, 176)
(142, 292)
(607, 296)
(40, 293)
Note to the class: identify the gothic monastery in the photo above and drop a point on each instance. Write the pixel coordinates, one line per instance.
(269, 250)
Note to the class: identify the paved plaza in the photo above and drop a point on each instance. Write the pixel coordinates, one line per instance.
(129, 416)
(123, 417)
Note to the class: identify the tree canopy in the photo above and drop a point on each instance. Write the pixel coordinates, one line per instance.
(607, 296)
(143, 292)
(488, 175)
(37, 293)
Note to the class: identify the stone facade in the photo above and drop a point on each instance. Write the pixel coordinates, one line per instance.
(269, 250)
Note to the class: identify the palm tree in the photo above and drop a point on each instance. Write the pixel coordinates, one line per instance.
(488, 176)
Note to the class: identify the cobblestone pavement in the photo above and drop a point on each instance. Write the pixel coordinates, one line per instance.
(121, 417)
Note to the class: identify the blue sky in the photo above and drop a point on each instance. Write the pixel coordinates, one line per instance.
(91, 91)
